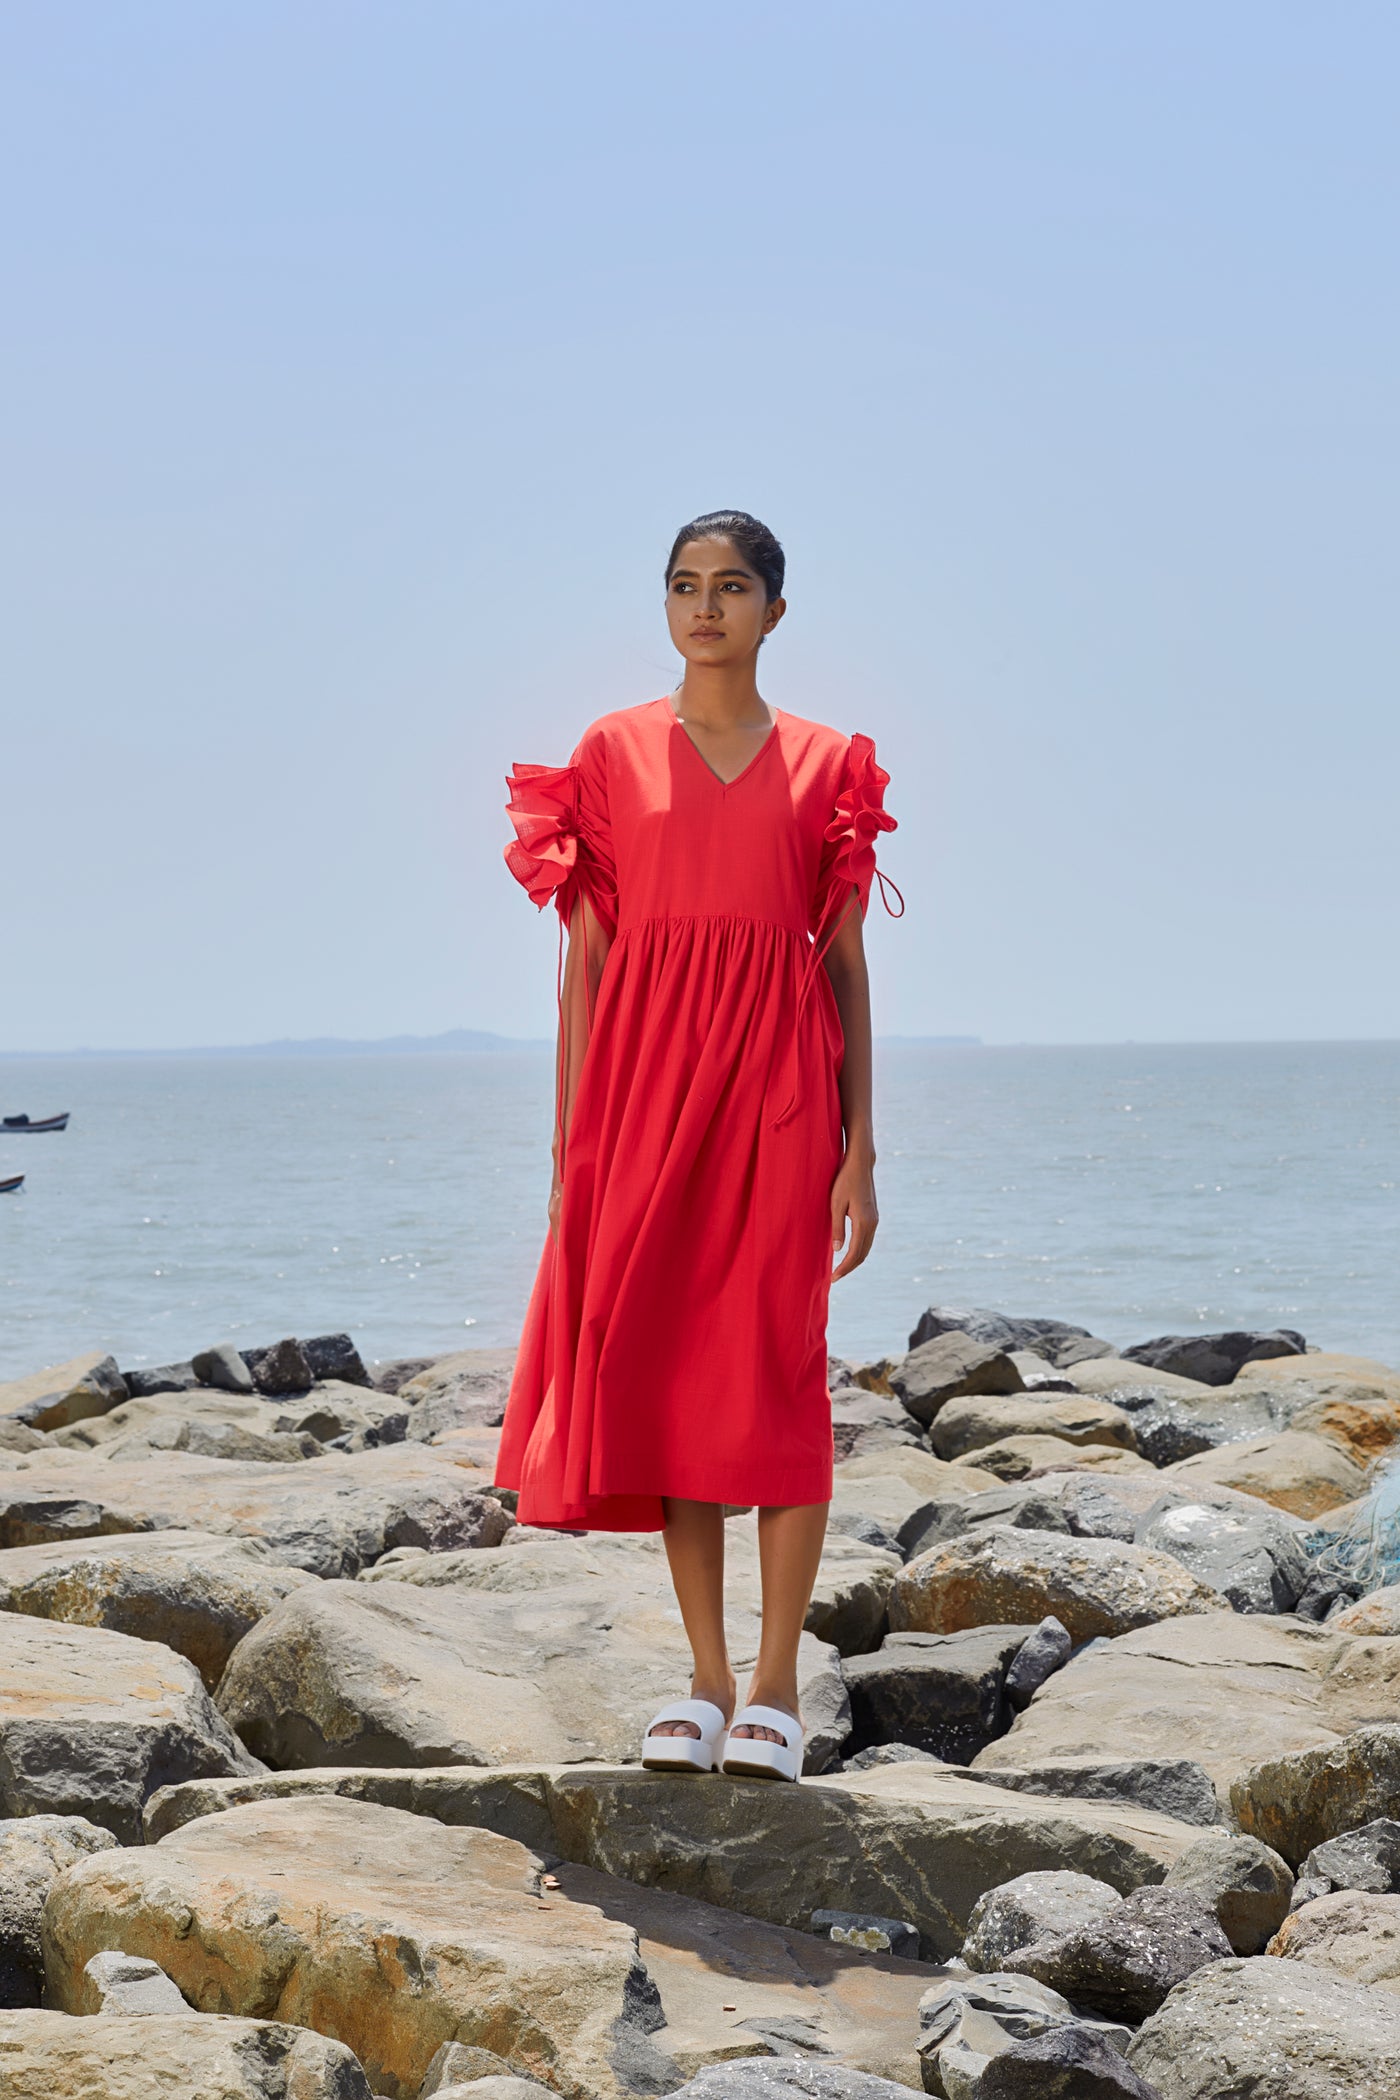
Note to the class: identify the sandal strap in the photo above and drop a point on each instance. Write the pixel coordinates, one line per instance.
(770, 1717)
(703, 1715)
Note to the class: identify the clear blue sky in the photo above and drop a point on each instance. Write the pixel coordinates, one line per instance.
(359, 361)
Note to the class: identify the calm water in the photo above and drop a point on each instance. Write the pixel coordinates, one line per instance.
(1135, 1190)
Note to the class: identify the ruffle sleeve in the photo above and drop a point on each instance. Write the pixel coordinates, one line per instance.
(562, 848)
(848, 847)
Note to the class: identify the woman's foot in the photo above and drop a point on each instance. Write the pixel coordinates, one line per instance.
(721, 1695)
(784, 1697)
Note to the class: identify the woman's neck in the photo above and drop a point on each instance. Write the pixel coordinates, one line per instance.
(722, 696)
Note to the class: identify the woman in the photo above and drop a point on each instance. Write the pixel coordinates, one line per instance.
(711, 859)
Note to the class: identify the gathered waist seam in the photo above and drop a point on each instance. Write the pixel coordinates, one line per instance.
(712, 918)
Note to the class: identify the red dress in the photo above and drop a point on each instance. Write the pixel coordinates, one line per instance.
(675, 1342)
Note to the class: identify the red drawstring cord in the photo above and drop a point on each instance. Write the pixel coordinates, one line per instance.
(820, 946)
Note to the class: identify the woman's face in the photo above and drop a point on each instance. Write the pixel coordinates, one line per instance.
(715, 605)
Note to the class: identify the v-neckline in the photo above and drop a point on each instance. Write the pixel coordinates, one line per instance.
(744, 771)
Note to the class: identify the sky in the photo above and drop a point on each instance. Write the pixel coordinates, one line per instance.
(360, 361)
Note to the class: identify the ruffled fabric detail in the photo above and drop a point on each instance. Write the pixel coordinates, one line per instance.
(860, 816)
(544, 854)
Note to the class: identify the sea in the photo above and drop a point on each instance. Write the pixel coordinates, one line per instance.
(1134, 1189)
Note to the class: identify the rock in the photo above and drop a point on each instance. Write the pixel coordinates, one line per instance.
(963, 1426)
(1255, 1562)
(1214, 1359)
(885, 1501)
(389, 1376)
(463, 1391)
(1176, 1787)
(461, 2063)
(966, 2023)
(1109, 1376)
(1027, 1505)
(91, 1723)
(1123, 1962)
(332, 1517)
(335, 1356)
(34, 1850)
(938, 1692)
(1043, 1652)
(1002, 1576)
(334, 1410)
(44, 2055)
(1221, 1689)
(888, 1754)
(85, 1385)
(1068, 2063)
(114, 1984)
(1368, 1858)
(280, 1368)
(1271, 2030)
(864, 1422)
(945, 1369)
(918, 1840)
(1245, 1884)
(1296, 1470)
(222, 1366)
(1377, 1614)
(1053, 1340)
(17, 1436)
(1030, 1908)
(761, 2078)
(1351, 1400)
(861, 1928)
(1351, 1932)
(1298, 1801)
(1038, 1375)
(195, 1592)
(1167, 1428)
(161, 1378)
(393, 1933)
(173, 1421)
(916, 1465)
(499, 2086)
(1028, 1457)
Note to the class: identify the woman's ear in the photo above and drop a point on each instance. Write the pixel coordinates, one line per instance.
(776, 608)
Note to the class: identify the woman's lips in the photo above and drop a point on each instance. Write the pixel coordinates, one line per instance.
(706, 634)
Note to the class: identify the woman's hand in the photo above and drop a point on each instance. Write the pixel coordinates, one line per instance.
(556, 1193)
(853, 1204)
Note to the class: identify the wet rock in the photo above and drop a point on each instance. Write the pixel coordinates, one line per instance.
(335, 1356)
(1214, 1359)
(1351, 1932)
(1123, 1963)
(1055, 1341)
(1043, 1652)
(195, 1592)
(1176, 1787)
(1296, 1470)
(1003, 1576)
(281, 1367)
(964, 1426)
(1068, 2063)
(161, 1378)
(47, 2054)
(91, 1723)
(222, 1366)
(390, 1931)
(1298, 1801)
(117, 1984)
(1032, 1907)
(1271, 2030)
(938, 1692)
(34, 1850)
(948, 1367)
(1244, 1884)
(1255, 1562)
(1368, 1858)
(1220, 1689)
(85, 1385)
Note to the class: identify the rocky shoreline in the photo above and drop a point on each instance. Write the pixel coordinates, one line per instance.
(319, 1776)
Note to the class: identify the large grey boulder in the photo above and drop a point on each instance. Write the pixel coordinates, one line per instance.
(1055, 1341)
(945, 1369)
(1124, 1963)
(34, 1851)
(160, 1378)
(968, 1425)
(1255, 1562)
(335, 1356)
(196, 1592)
(1215, 1359)
(280, 1367)
(1353, 1932)
(940, 1692)
(222, 1366)
(91, 1723)
(466, 1390)
(45, 2055)
(1047, 1649)
(968, 2022)
(69, 1392)
(1368, 1858)
(1068, 2063)
(1001, 1575)
(1246, 1885)
(1169, 1786)
(1029, 1505)
(1296, 1470)
(1271, 2030)
(1297, 1801)
(787, 2078)
(204, 1423)
(1168, 1427)
(864, 1422)
(1032, 1907)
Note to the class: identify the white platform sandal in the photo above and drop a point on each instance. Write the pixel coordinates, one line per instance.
(686, 1753)
(750, 1757)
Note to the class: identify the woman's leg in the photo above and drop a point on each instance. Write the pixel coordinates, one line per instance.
(789, 1548)
(694, 1536)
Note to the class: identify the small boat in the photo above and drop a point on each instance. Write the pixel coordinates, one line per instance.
(23, 1127)
(15, 1181)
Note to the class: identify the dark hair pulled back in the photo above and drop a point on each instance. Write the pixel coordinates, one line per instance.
(759, 547)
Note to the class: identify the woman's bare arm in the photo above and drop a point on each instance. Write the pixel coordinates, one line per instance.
(588, 949)
(853, 1191)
